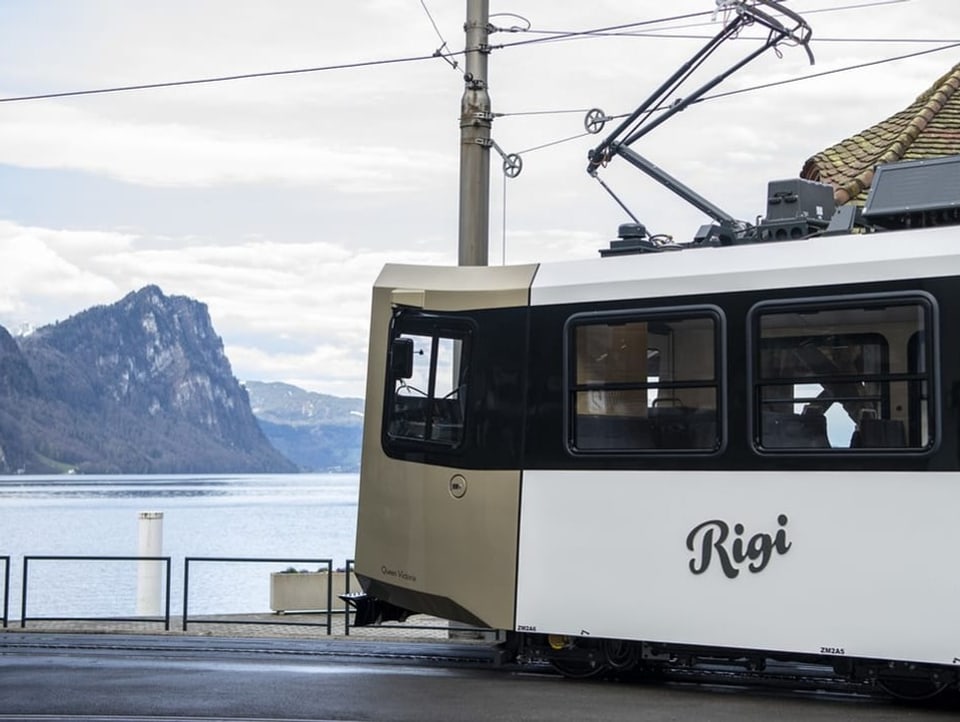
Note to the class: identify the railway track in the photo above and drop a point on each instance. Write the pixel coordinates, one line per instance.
(427, 653)
(781, 677)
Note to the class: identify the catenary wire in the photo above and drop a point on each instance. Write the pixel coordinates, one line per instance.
(570, 35)
(349, 66)
(294, 71)
(835, 71)
(739, 91)
(433, 22)
(440, 52)
(877, 41)
(301, 71)
(512, 28)
(226, 78)
(660, 32)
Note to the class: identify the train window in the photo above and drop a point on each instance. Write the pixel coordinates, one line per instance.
(642, 382)
(843, 374)
(427, 378)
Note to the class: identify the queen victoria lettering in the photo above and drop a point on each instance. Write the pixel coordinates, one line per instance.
(713, 540)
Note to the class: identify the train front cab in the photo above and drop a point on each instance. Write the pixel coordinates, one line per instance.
(438, 516)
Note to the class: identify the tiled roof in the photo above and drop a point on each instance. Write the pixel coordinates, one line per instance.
(929, 128)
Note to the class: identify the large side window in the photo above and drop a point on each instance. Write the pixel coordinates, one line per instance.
(427, 370)
(644, 381)
(844, 374)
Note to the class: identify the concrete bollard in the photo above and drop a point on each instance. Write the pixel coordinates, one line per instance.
(150, 573)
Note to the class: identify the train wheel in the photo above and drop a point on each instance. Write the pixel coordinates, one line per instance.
(621, 655)
(570, 661)
(911, 690)
(578, 668)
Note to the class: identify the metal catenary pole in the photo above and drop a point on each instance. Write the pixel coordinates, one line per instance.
(475, 121)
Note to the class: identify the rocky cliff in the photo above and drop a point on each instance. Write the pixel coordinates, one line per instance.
(141, 386)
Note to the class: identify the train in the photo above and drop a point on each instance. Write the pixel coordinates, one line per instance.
(734, 450)
(741, 451)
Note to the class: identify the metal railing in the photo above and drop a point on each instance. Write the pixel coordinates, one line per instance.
(38, 558)
(346, 617)
(6, 589)
(328, 612)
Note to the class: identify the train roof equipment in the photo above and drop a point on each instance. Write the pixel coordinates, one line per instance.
(906, 194)
(665, 104)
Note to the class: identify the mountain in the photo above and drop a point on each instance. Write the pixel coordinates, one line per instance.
(141, 386)
(16, 380)
(316, 431)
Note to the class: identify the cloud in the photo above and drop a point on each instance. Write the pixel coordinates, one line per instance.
(341, 368)
(280, 308)
(46, 269)
(349, 170)
(57, 137)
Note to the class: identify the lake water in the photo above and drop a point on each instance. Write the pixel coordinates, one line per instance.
(288, 516)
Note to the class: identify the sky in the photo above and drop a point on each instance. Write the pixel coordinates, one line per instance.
(276, 200)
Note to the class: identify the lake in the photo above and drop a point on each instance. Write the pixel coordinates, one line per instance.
(289, 516)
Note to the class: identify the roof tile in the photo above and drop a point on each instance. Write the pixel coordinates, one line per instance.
(928, 128)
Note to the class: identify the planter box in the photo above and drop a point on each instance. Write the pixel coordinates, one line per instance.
(307, 591)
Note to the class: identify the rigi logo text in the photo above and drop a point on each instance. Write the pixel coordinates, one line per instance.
(713, 540)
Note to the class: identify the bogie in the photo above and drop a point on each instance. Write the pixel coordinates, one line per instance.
(583, 658)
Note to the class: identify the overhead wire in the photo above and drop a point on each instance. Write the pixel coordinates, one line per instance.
(513, 28)
(439, 52)
(223, 78)
(279, 73)
(554, 36)
(423, 4)
(597, 32)
(951, 44)
(877, 41)
(317, 69)
(810, 76)
(600, 33)
(739, 91)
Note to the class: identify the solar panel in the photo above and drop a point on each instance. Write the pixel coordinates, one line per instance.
(915, 186)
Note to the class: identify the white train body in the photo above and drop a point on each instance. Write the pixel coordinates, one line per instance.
(750, 448)
(863, 566)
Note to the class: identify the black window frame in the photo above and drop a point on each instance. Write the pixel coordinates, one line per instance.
(416, 322)
(930, 375)
(646, 315)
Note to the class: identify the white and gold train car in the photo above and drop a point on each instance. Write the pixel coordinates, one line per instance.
(748, 452)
